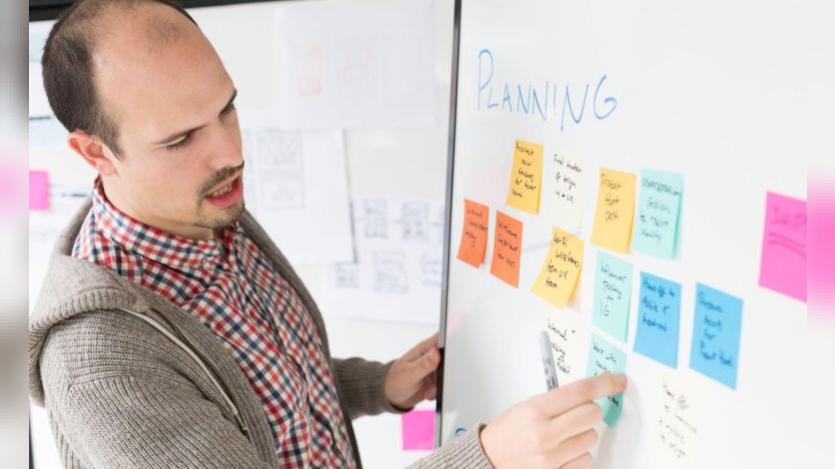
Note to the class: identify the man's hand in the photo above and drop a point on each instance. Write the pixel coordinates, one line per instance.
(551, 430)
(412, 377)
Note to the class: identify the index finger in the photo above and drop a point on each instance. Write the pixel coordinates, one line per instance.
(422, 346)
(565, 398)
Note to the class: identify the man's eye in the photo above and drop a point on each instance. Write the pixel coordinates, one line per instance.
(228, 109)
(180, 144)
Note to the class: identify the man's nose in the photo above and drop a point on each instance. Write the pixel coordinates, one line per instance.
(225, 147)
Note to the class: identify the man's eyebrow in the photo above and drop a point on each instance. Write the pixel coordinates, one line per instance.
(176, 136)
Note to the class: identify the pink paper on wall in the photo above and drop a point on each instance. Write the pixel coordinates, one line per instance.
(783, 261)
(418, 429)
(38, 190)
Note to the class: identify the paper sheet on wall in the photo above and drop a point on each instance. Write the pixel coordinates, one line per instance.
(45, 226)
(296, 185)
(360, 64)
(38, 103)
(397, 275)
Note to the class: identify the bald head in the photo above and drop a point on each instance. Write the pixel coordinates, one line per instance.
(80, 43)
(150, 106)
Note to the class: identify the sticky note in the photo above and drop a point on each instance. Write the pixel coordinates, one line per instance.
(677, 410)
(615, 209)
(418, 429)
(714, 351)
(783, 258)
(659, 308)
(658, 214)
(612, 295)
(38, 190)
(558, 277)
(474, 234)
(526, 177)
(567, 193)
(507, 249)
(567, 346)
(606, 357)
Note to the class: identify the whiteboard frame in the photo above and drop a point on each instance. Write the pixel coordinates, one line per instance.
(453, 104)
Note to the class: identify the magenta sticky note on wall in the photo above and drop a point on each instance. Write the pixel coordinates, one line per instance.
(38, 190)
(783, 261)
(418, 429)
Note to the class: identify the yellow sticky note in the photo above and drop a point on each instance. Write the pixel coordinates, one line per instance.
(615, 211)
(561, 269)
(526, 177)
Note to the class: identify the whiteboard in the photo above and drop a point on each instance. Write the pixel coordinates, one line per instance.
(734, 96)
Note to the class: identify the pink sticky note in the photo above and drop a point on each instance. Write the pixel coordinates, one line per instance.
(38, 190)
(783, 261)
(418, 429)
(821, 264)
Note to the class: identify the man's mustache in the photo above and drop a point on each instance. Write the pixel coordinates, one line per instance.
(219, 177)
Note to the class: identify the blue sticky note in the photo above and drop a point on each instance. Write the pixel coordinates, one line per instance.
(659, 308)
(658, 215)
(716, 327)
(612, 295)
(606, 357)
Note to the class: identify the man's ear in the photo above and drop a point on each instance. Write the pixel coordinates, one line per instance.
(94, 152)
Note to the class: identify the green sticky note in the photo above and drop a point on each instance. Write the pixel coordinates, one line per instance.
(606, 357)
(658, 215)
(612, 295)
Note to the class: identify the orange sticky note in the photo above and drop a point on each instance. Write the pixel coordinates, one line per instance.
(558, 278)
(474, 234)
(615, 210)
(526, 177)
(507, 249)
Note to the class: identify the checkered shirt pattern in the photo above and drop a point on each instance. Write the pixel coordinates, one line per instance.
(233, 289)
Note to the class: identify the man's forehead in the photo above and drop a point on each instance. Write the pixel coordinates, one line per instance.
(142, 74)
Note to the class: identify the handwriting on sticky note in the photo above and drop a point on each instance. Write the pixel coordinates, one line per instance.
(561, 269)
(568, 192)
(614, 212)
(507, 249)
(567, 349)
(717, 324)
(606, 357)
(612, 295)
(38, 190)
(418, 429)
(677, 426)
(474, 233)
(526, 177)
(783, 257)
(659, 309)
(658, 213)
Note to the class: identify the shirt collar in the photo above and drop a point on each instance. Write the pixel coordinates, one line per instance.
(155, 244)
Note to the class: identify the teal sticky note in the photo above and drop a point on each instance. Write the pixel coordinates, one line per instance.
(717, 324)
(658, 214)
(612, 295)
(606, 357)
(659, 308)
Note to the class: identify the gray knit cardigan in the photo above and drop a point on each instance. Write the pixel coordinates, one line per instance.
(129, 380)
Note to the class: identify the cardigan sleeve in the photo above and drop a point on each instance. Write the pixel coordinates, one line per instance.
(362, 383)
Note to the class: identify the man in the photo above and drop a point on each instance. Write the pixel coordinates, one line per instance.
(170, 331)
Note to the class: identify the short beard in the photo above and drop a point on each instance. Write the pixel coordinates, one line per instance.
(230, 216)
